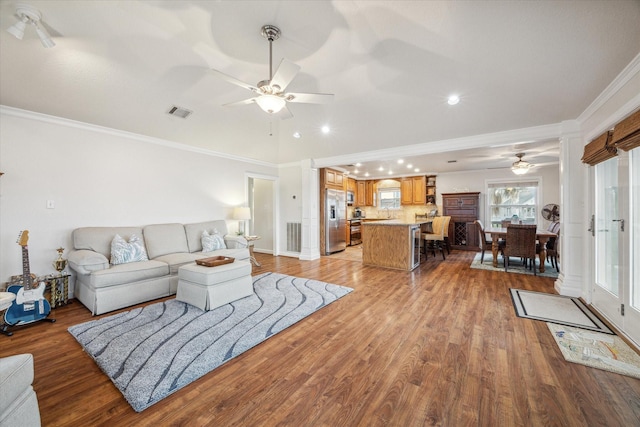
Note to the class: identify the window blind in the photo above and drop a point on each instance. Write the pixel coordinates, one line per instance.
(599, 150)
(626, 134)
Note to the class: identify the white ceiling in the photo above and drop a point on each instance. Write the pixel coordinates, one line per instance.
(391, 65)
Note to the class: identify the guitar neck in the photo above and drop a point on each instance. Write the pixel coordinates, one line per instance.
(26, 270)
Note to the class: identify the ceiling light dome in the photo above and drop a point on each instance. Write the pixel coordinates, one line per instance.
(520, 167)
(270, 103)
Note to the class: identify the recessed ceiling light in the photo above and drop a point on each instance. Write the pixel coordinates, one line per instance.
(326, 129)
(453, 100)
(409, 166)
(390, 172)
(358, 164)
(297, 135)
(366, 174)
(400, 161)
(380, 168)
(356, 171)
(416, 170)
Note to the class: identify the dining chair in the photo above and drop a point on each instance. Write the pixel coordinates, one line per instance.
(447, 242)
(435, 239)
(483, 242)
(520, 242)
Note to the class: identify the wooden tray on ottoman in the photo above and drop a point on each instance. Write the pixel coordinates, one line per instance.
(215, 261)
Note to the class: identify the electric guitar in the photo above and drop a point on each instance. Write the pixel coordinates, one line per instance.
(30, 304)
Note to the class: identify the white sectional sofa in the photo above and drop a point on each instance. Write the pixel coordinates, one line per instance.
(104, 287)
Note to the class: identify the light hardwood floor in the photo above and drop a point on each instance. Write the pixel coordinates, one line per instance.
(437, 346)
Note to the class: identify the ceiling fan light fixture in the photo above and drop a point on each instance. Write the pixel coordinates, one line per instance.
(44, 36)
(520, 167)
(17, 29)
(270, 103)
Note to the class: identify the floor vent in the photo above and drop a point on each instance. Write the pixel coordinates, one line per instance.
(294, 236)
(179, 112)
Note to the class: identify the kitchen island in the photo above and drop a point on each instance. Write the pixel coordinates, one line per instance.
(392, 243)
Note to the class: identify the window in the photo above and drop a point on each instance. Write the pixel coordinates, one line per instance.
(389, 198)
(510, 199)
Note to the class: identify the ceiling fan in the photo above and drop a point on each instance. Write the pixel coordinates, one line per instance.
(271, 96)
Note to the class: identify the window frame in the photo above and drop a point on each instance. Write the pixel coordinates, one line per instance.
(388, 189)
(516, 181)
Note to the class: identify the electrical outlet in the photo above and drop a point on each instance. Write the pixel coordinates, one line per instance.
(51, 204)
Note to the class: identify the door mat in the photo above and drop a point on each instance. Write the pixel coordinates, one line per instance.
(558, 309)
(596, 350)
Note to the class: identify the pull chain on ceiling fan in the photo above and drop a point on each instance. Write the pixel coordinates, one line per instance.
(271, 96)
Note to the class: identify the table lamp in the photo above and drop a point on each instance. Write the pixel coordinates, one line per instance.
(242, 214)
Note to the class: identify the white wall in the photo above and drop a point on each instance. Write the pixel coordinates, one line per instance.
(101, 177)
(290, 201)
(476, 181)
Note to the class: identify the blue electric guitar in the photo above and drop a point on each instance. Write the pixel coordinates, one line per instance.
(30, 304)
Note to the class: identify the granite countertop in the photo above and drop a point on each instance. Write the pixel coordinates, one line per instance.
(398, 222)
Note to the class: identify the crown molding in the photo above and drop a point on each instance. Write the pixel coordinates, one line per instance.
(32, 115)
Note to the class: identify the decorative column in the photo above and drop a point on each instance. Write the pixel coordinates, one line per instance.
(574, 210)
(310, 215)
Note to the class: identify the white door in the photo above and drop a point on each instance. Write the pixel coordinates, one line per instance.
(616, 293)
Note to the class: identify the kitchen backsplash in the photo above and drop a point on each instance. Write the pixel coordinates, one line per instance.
(405, 213)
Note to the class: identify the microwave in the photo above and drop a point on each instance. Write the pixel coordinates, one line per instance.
(350, 198)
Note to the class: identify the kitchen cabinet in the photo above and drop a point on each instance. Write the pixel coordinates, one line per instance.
(351, 185)
(431, 188)
(413, 190)
(361, 193)
(370, 193)
(334, 179)
(463, 208)
(391, 244)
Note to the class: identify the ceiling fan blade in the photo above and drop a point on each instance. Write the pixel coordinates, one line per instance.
(309, 98)
(233, 80)
(240, 103)
(285, 73)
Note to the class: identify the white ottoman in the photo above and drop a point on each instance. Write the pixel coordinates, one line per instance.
(211, 287)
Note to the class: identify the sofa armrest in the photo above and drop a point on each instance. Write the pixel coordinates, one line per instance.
(85, 261)
(235, 242)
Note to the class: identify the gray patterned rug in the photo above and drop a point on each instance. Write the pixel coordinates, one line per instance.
(515, 266)
(151, 352)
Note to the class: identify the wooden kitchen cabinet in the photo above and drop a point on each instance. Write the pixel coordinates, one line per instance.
(463, 208)
(334, 179)
(413, 190)
(361, 193)
(370, 193)
(351, 185)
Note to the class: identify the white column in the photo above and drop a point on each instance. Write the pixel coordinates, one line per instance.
(574, 249)
(310, 215)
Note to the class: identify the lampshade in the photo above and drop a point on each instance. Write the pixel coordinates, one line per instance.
(270, 103)
(242, 214)
(17, 29)
(520, 167)
(44, 37)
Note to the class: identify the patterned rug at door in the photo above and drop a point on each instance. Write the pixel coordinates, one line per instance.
(515, 266)
(153, 351)
(597, 350)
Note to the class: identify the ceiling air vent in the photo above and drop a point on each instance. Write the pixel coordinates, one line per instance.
(180, 112)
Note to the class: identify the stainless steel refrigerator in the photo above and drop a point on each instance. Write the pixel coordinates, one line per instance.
(335, 221)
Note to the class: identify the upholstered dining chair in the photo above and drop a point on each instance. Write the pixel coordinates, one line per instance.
(446, 241)
(483, 242)
(435, 239)
(520, 242)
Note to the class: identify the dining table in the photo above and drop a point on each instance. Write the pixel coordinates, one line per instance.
(542, 236)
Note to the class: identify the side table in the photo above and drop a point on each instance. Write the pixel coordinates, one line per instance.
(250, 240)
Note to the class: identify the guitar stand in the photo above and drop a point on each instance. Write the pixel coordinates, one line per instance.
(4, 329)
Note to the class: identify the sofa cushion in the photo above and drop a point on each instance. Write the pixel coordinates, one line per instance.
(85, 261)
(123, 252)
(175, 261)
(98, 239)
(16, 376)
(194, 232)
(128, 273)
(162, 239)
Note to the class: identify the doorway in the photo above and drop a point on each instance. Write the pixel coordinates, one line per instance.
(262, 199)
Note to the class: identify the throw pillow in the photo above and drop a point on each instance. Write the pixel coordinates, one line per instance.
(123, 252)
(212, 242)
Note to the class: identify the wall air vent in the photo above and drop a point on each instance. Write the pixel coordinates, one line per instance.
(179, 112)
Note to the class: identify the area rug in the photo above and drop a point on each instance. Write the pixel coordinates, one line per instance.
(515, 266)
(153, 351)
(558, 309)
(597, 350)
